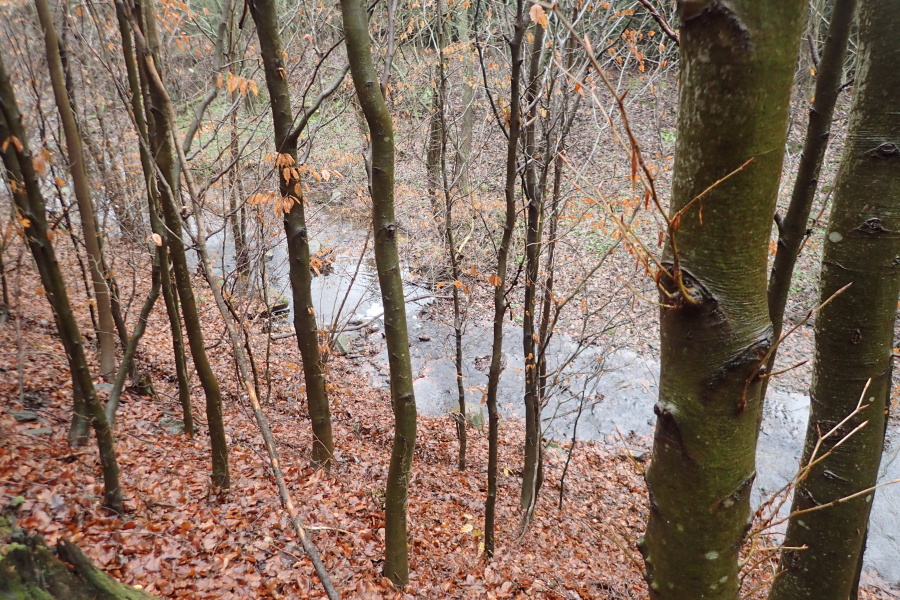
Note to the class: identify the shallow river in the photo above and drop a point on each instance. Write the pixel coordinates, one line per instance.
(616, 394)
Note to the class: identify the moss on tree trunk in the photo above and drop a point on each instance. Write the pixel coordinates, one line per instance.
(29, 570)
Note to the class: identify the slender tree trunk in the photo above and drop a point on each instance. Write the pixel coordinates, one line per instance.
(737, 63)
(236, 207)
(29, 201)
(131, 347)
(854, 332)
(499, 282)
(433, 142)
(109, 182)
(265, 16)
(106, 333)
(467, 121)
(249, 383)
(164, 152)
(792, 231)
(568, 111)
(390, 279)
(441, 95)
(531, 469)
(170, 295)
(80, 427)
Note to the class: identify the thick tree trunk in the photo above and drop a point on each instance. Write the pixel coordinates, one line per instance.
(29, 201)
(106, 333)
(265, 16)
(737, 63)
(390, 279)
(854, 332)
(170, 295)
(499, 282)
(164, 153)
(792, 231)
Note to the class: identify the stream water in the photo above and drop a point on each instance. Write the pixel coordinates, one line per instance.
(609, 394)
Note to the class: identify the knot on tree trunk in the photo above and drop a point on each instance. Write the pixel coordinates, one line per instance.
(681, 289)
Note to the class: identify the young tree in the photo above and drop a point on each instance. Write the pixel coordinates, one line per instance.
(286, 136)
(854, 334)
(106, 333)
(31, 213)
(161, 126)
(792, 230)
(440, 179)
(499, 280)
(737, 63)
(169, 291)
(390, 279)
(532, 471)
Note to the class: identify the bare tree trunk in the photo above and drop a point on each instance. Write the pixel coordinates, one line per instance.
(452, 254)
(170, 294)
(305, 324)
(29, 201)
(237, 217)
(737, 64)
(131, 347)
(467, 122)
(433, 142)
(854, 334)
(792, 231)
(106, 333)
(531, 469)
(246, 377)
(499, 282)
(161, 129)
(387, 262)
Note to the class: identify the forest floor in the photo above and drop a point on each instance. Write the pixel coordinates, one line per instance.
(178, 540)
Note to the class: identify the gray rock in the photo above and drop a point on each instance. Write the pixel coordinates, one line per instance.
(342, 344)
(25, 416)
(40, 431)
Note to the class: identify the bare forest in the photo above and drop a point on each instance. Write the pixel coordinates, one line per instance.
(449, 299)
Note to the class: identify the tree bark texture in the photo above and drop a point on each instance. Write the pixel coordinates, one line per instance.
(854, 332)
(390, 279)
(264, 13)
(106, 333)
(737, 63)
(26, 192)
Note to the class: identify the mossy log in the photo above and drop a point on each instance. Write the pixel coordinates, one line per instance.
(29, 570)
